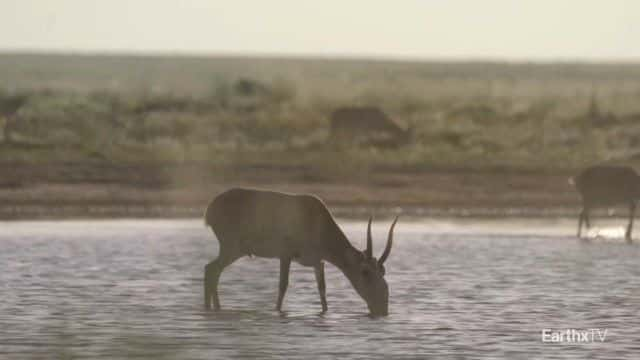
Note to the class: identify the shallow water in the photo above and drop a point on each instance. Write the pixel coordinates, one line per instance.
(118, 289)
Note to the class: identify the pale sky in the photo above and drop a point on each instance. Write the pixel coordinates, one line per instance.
(458, 29)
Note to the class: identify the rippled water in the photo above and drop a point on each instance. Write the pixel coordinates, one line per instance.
(117, 289)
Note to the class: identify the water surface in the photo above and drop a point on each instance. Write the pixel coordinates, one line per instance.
(133, 288)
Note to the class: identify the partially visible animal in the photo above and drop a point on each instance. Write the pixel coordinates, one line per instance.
(367, 126)
(605, 186)
(9, 107)
(291, 227)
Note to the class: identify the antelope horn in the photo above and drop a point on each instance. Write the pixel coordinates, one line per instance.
(369, 250)
(387, 249)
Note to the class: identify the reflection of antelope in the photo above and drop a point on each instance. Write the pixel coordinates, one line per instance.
(607, 186)
(367, 125)
(291, 227)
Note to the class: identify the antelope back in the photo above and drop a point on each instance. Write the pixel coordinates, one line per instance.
(608, 185)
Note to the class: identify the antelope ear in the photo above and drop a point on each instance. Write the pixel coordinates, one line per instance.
(381, 270)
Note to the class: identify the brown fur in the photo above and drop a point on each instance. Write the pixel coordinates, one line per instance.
(288, 227)
(607, 186)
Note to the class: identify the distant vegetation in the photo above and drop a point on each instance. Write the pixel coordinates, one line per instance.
(277, 111)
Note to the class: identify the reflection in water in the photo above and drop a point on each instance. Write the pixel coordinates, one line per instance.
(118, 289)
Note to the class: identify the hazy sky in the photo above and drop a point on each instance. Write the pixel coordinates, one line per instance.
(498, 29)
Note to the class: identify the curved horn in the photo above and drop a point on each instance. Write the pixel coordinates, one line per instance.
(387, 249)
(369, 250)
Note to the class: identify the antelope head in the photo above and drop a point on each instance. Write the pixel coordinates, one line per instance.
(369, 280)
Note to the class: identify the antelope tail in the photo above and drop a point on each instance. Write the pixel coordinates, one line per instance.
(572, 181)
(209, 216)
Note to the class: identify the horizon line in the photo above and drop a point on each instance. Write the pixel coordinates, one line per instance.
(320, 56)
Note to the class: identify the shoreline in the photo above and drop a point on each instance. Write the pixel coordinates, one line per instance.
(71, 212)
(86, 190)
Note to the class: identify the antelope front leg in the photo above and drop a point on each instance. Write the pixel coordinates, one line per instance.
(580, 219)
(587, 221)
(632, 213)
(284, 281)
(322, 289)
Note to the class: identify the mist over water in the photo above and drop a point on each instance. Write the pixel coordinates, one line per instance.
(133, 288)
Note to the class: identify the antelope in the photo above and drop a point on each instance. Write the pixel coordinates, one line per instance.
(291, 227)
(367, 126)
(607, 186)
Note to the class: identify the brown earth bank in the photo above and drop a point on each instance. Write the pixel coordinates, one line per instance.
(77, 190)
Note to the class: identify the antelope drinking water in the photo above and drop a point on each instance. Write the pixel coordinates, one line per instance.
(291, 227)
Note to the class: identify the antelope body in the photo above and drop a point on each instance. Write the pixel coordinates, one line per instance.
(367, 125)
(607, 186)
(291, 227)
